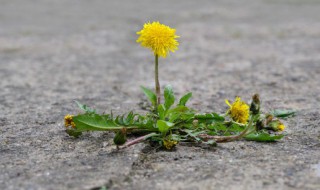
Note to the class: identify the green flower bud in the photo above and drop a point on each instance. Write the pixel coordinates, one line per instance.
(120, 138)
(255, 104)
(276, 125)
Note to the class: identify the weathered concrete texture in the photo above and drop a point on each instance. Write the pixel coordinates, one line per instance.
(52, 52)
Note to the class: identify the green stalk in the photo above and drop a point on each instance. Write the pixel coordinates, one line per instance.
(156, 77)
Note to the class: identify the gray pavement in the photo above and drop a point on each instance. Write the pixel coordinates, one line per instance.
(54, 52)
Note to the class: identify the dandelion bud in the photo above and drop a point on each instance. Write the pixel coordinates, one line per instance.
(255, 104)
(276, 125)
(120, 138)
(269, 118)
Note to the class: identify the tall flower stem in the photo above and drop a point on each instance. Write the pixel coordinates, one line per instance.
(156, 78)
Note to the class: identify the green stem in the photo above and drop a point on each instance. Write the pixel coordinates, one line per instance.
(156, 77)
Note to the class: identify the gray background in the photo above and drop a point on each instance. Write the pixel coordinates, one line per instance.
(53, 52)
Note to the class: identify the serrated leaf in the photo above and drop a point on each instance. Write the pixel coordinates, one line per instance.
(185, 99)
(168, 97)
(119, 120)
(93, 122)
(263, 137)
(164, 126)
(144, 122)
(129, 119)
(283, 113)
(150, 94)
(85, 107)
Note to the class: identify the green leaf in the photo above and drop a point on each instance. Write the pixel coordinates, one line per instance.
(119, 120)
(217, 117)
(164, 126)
(161, 111)
(236, 128)
(185, 99)
(174, 116)
(193, 134)
(283, 113)
(218, 127)
(263, 137)
(129, 119)
(85, 107)
(150, 94)
(168, 97)
(179, 113)
(175, 137)
(94, 122)
(178, 109)
(187, 116)
(210, 116)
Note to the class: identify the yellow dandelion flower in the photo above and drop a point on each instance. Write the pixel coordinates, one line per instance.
(239, 110)
(169, 144)
(281, 127)
(68, 121)
(159, 38)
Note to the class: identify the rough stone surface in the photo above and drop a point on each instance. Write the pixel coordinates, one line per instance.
(54, 52)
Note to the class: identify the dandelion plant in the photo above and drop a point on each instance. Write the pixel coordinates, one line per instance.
(171, 121)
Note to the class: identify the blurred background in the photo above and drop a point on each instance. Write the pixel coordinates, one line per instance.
(65, 43)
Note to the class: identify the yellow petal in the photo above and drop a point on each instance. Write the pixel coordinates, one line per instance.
(227, 102)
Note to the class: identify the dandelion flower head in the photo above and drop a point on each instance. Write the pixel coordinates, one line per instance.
(239, 110)
(159, 38)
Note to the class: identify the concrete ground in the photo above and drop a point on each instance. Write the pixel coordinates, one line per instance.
(54, 52)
